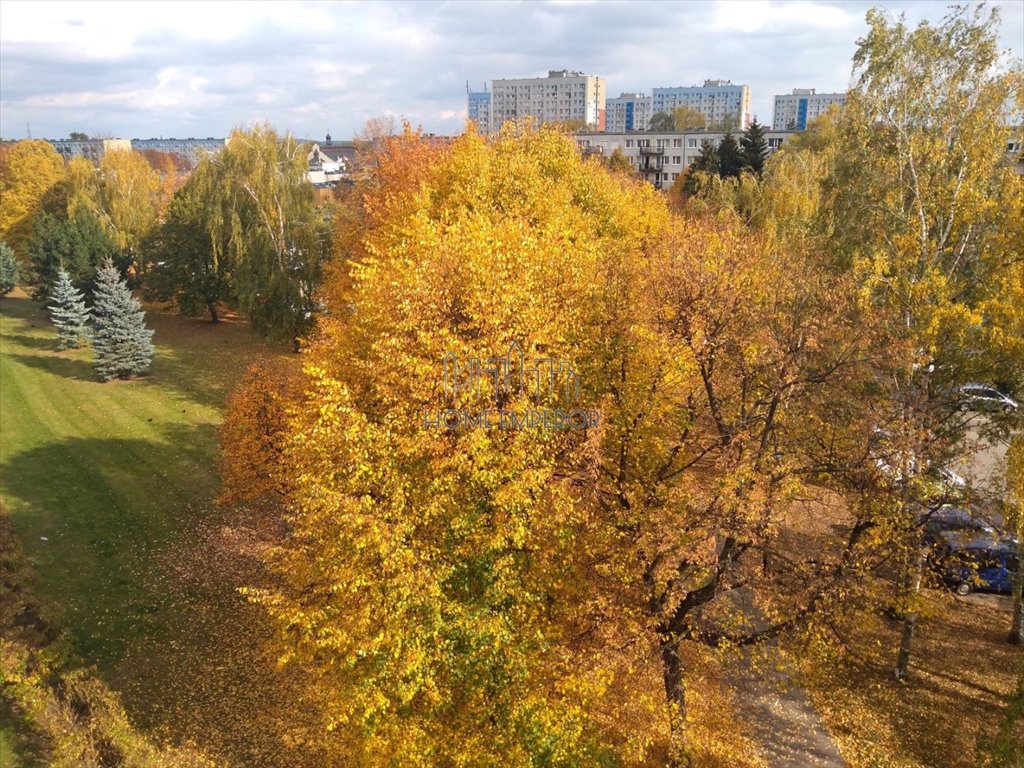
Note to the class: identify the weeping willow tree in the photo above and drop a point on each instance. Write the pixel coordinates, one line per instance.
(261, 218)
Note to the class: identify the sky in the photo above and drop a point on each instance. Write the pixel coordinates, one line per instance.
(196, 69)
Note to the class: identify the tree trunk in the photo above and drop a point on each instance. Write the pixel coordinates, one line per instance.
(910, 617)
(214, 317)
(1017, 624)
(675, 691)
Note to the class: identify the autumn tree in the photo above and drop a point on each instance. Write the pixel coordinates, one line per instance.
(182, 263)
(530, 594)
(128, 201)
(79, 188)
(265, 224)
(686, 118)
(9, 269)
(662, 122)
(918, 181)
(1015, 523)
(27, 170)
(619, 163)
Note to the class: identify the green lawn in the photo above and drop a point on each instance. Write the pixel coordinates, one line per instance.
(110, 488)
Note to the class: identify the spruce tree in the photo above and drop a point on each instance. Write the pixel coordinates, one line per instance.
(8, 269)
(754, 147)
(121, 342)
(69, 313)
(730, 158)
(706, 162)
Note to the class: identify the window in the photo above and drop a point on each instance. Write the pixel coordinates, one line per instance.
(691, 143)
(677, 142)
(629, 143)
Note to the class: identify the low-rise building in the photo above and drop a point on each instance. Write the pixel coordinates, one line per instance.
(795, 110)
(188, 149)
(661, 157)
(90, 149)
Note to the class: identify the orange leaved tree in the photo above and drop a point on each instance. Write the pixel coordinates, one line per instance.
(546, 433)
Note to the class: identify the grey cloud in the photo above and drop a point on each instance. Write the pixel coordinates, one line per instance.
(337, 75)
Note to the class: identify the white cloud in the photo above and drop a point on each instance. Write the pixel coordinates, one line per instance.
(197, 69)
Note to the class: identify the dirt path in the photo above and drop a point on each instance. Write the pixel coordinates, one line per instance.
(784, 721)
(782, 717)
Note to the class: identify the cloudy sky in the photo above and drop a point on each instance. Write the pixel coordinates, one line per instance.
(183, 69)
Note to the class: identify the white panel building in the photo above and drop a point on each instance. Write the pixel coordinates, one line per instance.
(559, 97)
(661, 157)
(628, 112)
(794, 111)
(716, 100)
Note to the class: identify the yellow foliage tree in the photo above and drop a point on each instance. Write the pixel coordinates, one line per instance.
(28, 169)
(129, 198)
(472, 595)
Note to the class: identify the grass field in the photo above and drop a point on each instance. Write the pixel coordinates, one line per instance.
(109, 488)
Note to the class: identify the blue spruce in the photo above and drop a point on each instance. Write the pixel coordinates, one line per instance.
(69, 313)
(8, 269)
(121, 342)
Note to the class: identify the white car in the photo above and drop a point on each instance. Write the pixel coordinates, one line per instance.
(982, 397)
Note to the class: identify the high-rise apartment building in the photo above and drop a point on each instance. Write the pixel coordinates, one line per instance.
(717, 100)
(628, 112)
(557, 98)
(794, 111)
(478, 108)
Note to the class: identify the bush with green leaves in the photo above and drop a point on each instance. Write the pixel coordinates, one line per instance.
(122, 343)
(69, 313)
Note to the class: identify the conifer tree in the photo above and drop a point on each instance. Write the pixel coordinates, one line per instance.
(754, 147)
(706, 162)
(69, 313)
(8, 269)
(122, 344)
(730, 157)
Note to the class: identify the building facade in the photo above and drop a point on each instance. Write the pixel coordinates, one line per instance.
(187, 149)
(557, 98)
(628, 112)
(795, 110)
(661, 157)
(91, 149)
(478, 109)
(717, 100)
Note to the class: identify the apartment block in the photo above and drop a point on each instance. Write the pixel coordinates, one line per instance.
(628, 112)
(90, 149)
(717, 100)
(660, 157)
(794, 111)
(478, 108)
(559, 97)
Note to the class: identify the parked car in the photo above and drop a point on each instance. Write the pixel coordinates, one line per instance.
(967, 565)
(982, 397)
(956, 520)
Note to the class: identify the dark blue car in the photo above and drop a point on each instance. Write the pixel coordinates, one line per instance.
(976, 563)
